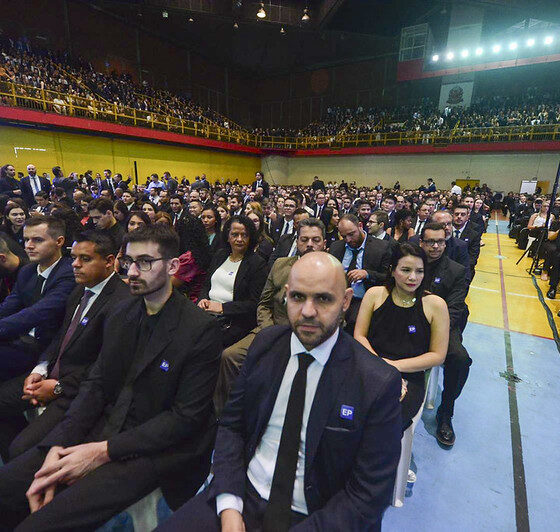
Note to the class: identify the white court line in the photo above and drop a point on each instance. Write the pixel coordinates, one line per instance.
(507, 293)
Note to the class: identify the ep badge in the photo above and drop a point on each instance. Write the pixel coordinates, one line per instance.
(347, 412)
(164, 366)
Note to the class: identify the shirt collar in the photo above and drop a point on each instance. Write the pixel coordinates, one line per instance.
(321, 353)
(48, 271)
(381, 235)
(100, 286)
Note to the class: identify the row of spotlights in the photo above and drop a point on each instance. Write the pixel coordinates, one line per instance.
(261, 13)
(495, 49)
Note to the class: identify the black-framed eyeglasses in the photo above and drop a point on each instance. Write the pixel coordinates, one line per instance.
(433, 243)
(144, 265)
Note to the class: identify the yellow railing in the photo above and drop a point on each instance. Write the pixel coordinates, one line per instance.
(12, 94)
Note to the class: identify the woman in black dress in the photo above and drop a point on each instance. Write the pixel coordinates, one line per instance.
(406, 326)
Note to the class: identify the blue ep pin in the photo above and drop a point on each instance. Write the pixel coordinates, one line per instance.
(411, 329)
(347, 412)
(164, 366)
(437, 280)
(84, 321)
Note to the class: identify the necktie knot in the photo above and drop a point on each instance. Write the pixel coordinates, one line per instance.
(457, 232)
(305, 360)
(87, 294)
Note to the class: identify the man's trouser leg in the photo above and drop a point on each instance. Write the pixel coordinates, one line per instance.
(87, 504)
(18, 357)
(455, 371)
(12, 407)
(232, 360)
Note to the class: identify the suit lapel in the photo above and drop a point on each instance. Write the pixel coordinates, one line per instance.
(93, 310)
(243, 267)
(160, 339)
(326, 396)
(273, 378)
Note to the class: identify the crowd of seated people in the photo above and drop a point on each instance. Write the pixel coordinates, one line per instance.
(102, 93)
(251, 301)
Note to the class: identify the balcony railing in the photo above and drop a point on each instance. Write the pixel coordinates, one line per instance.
(12, 94)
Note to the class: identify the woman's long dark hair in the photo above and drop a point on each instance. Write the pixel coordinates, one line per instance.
(407, 250)
(193, 238)
(7, 222)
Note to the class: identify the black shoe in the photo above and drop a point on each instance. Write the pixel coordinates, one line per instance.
(551, 294)
(444, 433)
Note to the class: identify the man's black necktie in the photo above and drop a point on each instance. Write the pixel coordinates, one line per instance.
(38, 290)
(354, 262)
(457, 233)
(70, 332)
(278, 515)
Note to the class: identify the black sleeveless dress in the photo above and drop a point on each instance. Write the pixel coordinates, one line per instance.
(396, 333)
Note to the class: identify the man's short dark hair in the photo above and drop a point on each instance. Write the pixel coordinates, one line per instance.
(107, 170)
(161, 234)
(41, 194)
(4, 248)
(351, 218)
(176, 196)
(382, 217)
(461, 206)
(364, 202)
(313, 222)
(55, 226)
(391, 197)
(299, 212)
(103, 243)
(432, 226)
(297, 197)
(59, 192)
(101, 204)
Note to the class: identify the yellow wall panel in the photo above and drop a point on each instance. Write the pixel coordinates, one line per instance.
(78, 153)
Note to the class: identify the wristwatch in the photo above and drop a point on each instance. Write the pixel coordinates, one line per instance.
(57, 388)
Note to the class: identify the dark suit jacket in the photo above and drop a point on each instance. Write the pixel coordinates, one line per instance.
(458, 250)
(17, 313)
(326, 214)
(172, 378)
(85, 344)
(276, 229)
(8, 185)
(350, 465)
(27, 189)
(265, 186)
(471, 235)
(247, 288)
(448, 280)
(282, 249)
(376, 260)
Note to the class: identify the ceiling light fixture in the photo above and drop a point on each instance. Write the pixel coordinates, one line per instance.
(282, 30)
(513, 46)
(450, 56)
(478, 51)
(305, 17)
(165, 14)
(464, 53)
(235, 25)
(548, 39)
(191, 19)
(435, 58)
(496, 48)
(530, 42)
(261, 13)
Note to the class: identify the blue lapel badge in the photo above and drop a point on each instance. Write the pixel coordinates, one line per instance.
(437, 280)
(84, 321)
(164, 366)
(411, 329)
(347, 412)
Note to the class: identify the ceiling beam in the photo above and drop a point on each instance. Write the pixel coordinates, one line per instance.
(326, 11)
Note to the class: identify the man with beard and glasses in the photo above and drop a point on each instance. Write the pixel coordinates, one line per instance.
(142, 418)
(272, 305)
(309, 439)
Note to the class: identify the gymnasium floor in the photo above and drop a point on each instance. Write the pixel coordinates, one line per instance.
(500, 475)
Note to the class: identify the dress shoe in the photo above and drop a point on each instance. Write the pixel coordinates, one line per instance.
(551, 294)
(444, 433)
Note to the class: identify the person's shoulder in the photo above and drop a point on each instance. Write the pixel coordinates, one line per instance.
(454, 266)
(365, 361)
(283, 262)
(434, 303)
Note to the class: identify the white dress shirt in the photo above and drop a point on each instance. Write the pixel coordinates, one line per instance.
(381, 235)
(35, 184)
(42, 368)
(288, 227)
(460, 229)
(223, 281)
(261, 467)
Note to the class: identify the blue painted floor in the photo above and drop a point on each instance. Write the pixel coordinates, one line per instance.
(470, 487)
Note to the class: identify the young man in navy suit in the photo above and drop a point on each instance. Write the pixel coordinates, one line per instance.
(310, 438)
(33, 312)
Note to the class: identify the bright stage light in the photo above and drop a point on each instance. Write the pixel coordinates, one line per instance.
(530, 42)
(548, 39)
(464, 53)
(435, 58)
(496, 48)
(478, 51)
(513, 46)
(450, 56)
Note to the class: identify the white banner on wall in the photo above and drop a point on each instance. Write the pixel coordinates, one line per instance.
(455, 94)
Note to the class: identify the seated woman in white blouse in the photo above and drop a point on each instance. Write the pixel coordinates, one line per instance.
(235, 280)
